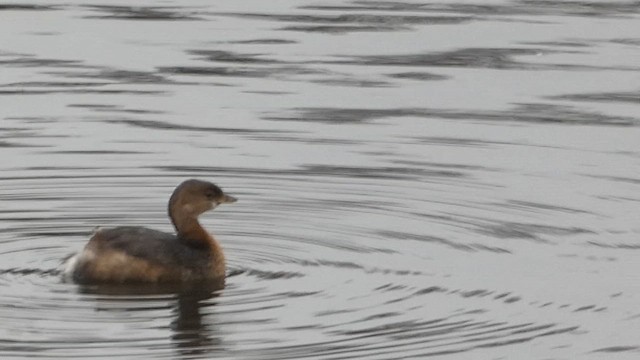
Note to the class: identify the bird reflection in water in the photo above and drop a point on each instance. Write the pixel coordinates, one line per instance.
(189, 333)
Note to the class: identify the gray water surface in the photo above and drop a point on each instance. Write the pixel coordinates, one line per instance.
(455, 180)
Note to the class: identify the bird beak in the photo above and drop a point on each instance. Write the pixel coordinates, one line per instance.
(227, 199)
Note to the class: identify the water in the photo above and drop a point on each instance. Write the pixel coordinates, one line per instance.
(453, 180)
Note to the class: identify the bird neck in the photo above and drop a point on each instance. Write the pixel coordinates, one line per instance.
(193, 234)
(190, 230)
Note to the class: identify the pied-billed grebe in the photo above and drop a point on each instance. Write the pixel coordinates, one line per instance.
(132, 254)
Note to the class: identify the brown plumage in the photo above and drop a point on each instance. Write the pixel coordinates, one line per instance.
(131, 254)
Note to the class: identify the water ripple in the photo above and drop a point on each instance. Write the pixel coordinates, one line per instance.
(441, 179)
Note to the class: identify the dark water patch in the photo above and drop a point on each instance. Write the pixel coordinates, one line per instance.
(83, 91)
(339, 264)
(204, 170)
(393, 271)
(527, 339)
(395, 172)
(627, 41)
(581, 8)
(16, 129)
(550, 113)
(396, 235)
(132, 77)
(632, 97)
(380, 316)
(334, 312)
(337, 115)
(370, 5)
(231, 57)
(622, 179)
(529, 113)
(139, 13)
(389, 173)
(98, 152)
(30, 133)
(265, 41)
(45, 33)
(13, 144)
(50, 231)
(353, 266)
(266, 275)
(475, 293)
(296, 294)
(620, 198)
(560, 43)
(494, 249)
(601, 258)
(32, 61)
(343, 29)
(459, 142)
(93, 106)
(512, 230)
(131, 111)
(508, 298)
(445, 165)
(27, 271)
(399, 328)
(115, 109)
(353, 83)
(617, 349)
(236, 71)
(430, 290)
(118, 76)
(614, 245)
(26, 7)
(302, 140)
(391, 288)
(428, 338)
(374, 21)
(529, 328)
(484, 58)
(519, 204)
(79, 175)
(266, 92)
(422, 76)
(519, 7)
(160, 125)
(45, 84)
(341, 115)
(215, 71)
